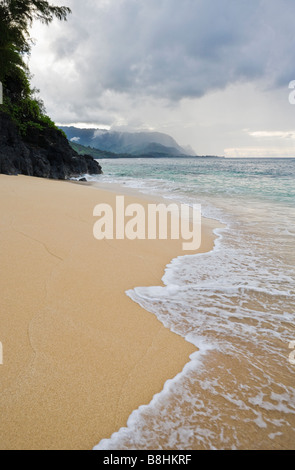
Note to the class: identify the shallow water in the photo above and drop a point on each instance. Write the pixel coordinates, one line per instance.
(236, 304)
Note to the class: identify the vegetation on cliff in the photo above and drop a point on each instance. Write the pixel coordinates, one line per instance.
(20, 100)
(30, 143)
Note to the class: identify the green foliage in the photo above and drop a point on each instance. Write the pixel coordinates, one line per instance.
(27, 114)
(20, 101)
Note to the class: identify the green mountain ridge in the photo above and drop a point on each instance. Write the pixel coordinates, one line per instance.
(149, 144)
(99, 154)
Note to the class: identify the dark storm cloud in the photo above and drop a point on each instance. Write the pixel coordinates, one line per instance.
(115, 61)
(176, 49)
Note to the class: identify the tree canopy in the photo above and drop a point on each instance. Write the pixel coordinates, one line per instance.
(16, 18)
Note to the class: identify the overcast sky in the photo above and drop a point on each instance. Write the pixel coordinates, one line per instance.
(214, 74)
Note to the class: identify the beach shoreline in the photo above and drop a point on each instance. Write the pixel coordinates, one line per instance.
(78, 354)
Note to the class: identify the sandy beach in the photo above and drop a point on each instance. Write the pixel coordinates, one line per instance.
(78, 355)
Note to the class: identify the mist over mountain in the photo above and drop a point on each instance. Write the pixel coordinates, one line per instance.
(133, 143)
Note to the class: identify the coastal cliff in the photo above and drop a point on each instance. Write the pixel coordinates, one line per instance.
(43, 153)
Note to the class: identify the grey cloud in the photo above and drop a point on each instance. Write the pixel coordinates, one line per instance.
(178, 49)
(175, 49)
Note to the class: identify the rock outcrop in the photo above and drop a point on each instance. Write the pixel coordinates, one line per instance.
(44, 153)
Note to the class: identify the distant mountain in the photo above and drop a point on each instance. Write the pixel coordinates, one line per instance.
(96, 153)
(102, 154)
(151, 144)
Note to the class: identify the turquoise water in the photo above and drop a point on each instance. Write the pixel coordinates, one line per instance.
(236, 304)
(271, 179)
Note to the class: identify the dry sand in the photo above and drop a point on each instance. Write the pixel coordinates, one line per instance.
(78, 355)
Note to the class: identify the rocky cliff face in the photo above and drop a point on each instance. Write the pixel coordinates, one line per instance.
(45, 154)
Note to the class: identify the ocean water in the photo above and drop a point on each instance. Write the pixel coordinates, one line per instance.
(236, 304)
